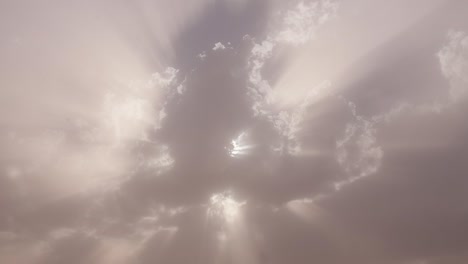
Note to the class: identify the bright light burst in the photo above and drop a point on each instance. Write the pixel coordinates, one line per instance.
(223, 205)
(239, 146)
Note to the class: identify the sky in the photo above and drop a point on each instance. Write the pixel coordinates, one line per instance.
(233, 132)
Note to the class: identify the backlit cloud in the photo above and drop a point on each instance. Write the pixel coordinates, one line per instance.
(233, 131)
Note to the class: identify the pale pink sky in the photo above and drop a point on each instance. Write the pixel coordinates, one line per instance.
(233, 132)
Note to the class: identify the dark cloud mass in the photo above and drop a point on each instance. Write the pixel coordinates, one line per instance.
(234, 131)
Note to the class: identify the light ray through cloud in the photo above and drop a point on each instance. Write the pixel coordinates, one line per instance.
(233, 132)
(223, 206)
(239, 146)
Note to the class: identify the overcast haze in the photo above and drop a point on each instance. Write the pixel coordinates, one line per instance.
(233, 132)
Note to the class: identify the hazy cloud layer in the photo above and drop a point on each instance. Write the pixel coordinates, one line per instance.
(234, 131)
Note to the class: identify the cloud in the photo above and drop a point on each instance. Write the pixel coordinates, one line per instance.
(453, 58)
(208, 161)
(219, 46)
(298, 27)
(358, 152)
(223, 205)
(301, 23)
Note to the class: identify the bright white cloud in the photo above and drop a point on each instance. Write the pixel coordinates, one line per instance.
(219, 46)
(453, 58)
(301, 23)
(224, 206)
(129, 113)
(164, 79)
(298, 26)
(259, 89)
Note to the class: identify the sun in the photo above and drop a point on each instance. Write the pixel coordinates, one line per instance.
(239, 146)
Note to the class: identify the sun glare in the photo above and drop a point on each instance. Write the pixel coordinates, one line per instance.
(239, 146)
(223, 205)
